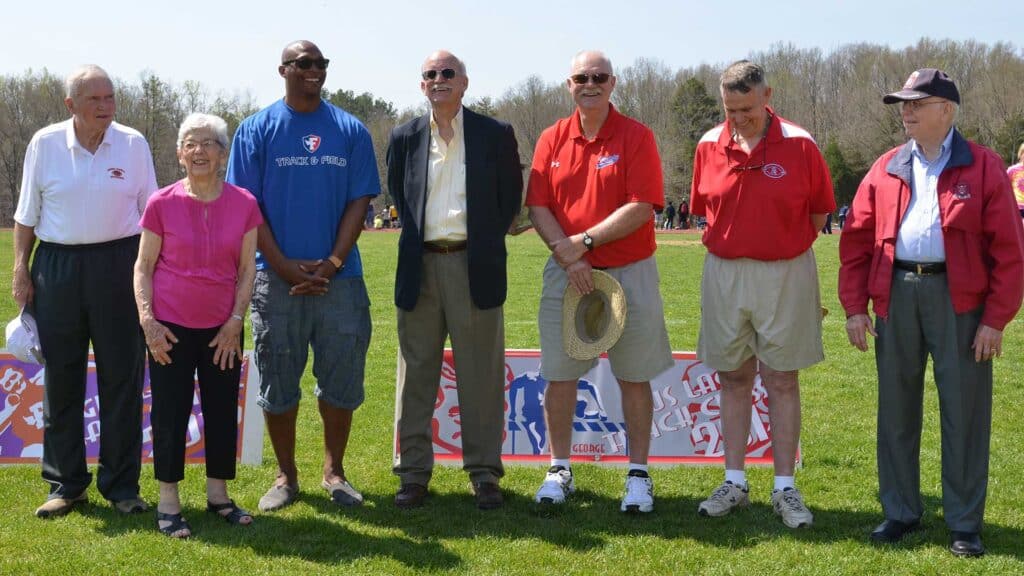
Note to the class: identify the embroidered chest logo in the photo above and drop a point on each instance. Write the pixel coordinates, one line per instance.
(606, 161)
(773, 170)
(555, 163)
(962, 191)
(311, 143)
(116, 173)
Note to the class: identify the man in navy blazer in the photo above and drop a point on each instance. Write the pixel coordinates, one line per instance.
(457, 182)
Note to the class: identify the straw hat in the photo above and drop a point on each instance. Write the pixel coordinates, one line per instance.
(592, 323)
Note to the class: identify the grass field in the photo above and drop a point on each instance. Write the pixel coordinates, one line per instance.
(450, 535)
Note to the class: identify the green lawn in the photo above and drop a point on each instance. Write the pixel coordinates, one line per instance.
(590, 536)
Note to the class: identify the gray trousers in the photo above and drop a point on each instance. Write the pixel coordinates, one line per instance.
(922, 322)
(444, 308)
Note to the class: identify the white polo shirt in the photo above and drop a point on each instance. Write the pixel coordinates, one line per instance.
(72, 196)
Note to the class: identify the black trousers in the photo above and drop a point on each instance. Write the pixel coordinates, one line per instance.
(84, 293)
(173, 387)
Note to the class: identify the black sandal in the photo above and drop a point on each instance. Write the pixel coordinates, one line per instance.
(233, 517)
(177, 523)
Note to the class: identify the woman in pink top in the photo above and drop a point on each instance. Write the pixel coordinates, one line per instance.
(193, 282)
(1016, 174)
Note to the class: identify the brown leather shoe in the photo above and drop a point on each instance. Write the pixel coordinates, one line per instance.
(410, 496)
(55, 507)
(488, 495)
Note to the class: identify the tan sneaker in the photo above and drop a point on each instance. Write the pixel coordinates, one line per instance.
(789, 504)
(134, 505)
(724, 499)
(278, 497)
(55, 507)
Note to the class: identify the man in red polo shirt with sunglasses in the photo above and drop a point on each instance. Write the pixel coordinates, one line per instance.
(765, 190)
(594, 185)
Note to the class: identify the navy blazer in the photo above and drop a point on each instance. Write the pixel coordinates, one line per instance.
(494, 188)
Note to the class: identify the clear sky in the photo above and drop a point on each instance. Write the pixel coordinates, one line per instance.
(234, 46)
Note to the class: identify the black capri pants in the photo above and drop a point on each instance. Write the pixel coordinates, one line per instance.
(173, 386)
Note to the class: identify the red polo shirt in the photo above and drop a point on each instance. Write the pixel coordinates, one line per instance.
(764, 212)
(582, 182)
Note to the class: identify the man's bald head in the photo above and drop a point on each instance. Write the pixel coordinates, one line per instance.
(445, 57)
(293, 49)
(591, 59)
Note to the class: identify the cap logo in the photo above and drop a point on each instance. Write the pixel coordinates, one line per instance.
(911, 81)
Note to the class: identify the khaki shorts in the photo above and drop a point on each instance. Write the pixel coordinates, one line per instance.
(767, 309)
(642, 352)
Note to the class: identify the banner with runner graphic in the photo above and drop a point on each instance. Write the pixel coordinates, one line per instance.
(686, 427)
(21, 415)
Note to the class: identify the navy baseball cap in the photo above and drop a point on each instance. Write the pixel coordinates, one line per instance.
(923, 83)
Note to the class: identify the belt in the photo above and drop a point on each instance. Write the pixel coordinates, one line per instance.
(921, 268)
(82, 247)
(444, 247)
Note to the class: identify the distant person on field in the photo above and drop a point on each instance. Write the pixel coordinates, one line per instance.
(765, 189)
(450, 280)
(934, 241)
(84, 186)
(312, 169)
(595, 182)
(842, 215)
(670, 216)
(827, 228)
(684, 214)
(198, 237)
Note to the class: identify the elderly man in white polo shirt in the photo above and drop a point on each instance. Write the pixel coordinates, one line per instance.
(85, 184)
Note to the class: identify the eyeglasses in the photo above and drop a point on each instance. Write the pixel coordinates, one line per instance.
(306, 63)
(915, 105)
(447, 74)
(748, 166)
(206, 145)
(599, 78)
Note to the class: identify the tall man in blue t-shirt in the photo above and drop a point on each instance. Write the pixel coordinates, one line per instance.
(312, 169)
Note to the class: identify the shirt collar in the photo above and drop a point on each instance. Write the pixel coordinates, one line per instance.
(456, 122)
(607, 129)
(944, 150)
(773, 134)
(72, 140)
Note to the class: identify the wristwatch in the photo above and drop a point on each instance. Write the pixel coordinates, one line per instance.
(336, 261)
(588, 241)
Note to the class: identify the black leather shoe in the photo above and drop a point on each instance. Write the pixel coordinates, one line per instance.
(966, 544)
(410, 496)
(488, 495)
(891, 531)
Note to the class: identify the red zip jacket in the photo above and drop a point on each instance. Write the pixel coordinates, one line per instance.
(981, 231)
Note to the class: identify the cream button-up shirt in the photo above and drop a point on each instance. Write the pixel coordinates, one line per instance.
(445, 212)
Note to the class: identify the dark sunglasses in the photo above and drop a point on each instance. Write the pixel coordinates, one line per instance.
(599, 78)
(306, 63)
(447, 74)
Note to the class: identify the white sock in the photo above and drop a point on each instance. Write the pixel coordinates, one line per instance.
(737, 477)
(563, 462)
(783, 482)
(640, 467)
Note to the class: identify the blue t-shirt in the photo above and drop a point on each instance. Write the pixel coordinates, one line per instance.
(304, 169)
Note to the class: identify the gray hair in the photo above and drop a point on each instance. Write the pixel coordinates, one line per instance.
(742, 76)
(198, 121)
(73, 83)
(600, 55)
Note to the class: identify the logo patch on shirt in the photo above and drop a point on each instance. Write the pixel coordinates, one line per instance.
(117, 173)
(773, 170)
(606, 161)
(962, 191)
(311, 143)
(555, 163)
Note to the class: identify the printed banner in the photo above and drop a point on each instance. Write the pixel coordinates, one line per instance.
(686, 427)
(21, 415)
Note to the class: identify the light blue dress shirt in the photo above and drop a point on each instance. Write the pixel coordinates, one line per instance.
(920, 235)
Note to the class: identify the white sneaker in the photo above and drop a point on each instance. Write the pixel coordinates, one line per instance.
(558, 484)
(724, 499)
(639, 494)
(789, 504)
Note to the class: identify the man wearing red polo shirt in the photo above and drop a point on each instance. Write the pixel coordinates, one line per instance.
(764, 188)
(595, 182)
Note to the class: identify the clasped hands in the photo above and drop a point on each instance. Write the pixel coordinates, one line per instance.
(568, 253)
(307, 277)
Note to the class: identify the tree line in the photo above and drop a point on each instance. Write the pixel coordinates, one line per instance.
(834, 95)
